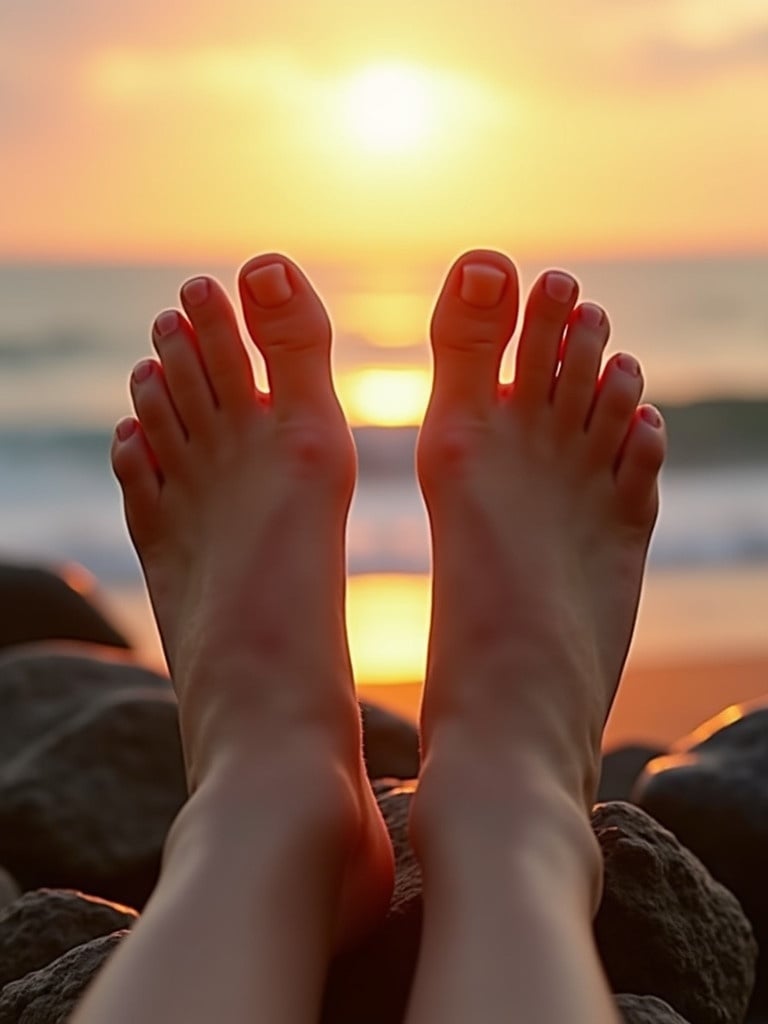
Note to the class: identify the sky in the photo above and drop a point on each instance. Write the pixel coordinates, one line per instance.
(344, 130)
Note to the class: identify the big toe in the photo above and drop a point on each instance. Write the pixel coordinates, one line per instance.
(473, 320)
(291, 328)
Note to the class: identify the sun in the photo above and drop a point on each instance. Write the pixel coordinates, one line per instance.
(389, 108)
(391, 397)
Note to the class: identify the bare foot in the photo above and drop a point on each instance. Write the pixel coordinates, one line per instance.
(542, 496)
(237, 503)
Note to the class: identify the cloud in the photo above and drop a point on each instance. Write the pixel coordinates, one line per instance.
(673, 59)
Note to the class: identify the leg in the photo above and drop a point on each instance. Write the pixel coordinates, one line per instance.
(237, 503)
(542, 496)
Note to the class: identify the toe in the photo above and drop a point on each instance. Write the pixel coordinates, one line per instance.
(474, 318)
(160, 423)
(618, 393)
(136, 470)
(291, 329)
(184, 373)
(224, 357)
(639, 464)
(549, 307)
(585, 340)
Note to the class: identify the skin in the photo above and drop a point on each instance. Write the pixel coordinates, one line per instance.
(542, 496)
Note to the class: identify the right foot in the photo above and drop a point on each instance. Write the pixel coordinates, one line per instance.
(542, 496)
(236, 502)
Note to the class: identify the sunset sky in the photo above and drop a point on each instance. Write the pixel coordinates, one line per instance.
(340, 130)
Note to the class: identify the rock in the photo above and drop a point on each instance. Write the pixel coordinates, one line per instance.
(647, 1010)
(665, 927)
(712, 792)
(620, 769)
(46, 923)
(9, 890)
(390, 743)
(50, 995)
(372, 982)
(88, 805)
(42, 686)
(39, 604)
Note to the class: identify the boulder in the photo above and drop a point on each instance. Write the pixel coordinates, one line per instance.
(44, 924)
(646, 1010)
(50, 995)
(665, 927)
(620, 769)
(40, 604)
(9, 889)
(372, 982)
(390, 743)
(88, 805)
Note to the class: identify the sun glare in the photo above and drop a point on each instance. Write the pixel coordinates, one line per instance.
(389, 107)
(394, 397)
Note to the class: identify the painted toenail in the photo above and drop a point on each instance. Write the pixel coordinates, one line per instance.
(559, 286)
(482, 285)
(166, 323)
(143, 370)
(628, 365)
(591, 316)
(650, 415)
(124, 429)
(269, 286)
(196, 291)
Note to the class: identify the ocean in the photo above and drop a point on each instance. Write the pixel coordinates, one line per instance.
(69, 335)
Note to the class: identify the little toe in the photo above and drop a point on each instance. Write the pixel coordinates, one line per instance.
(639, 464)
(585, 340)
(185, 377)
(289, 324)
(136, 471)
(618, 393)
(549, 308)
(474, 317)
(226, 362)
(158, 417)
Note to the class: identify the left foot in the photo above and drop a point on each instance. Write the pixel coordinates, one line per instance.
(237, 502)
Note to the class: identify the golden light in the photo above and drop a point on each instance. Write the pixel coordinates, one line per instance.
(388, 622)
(389, 107)
(392, 397)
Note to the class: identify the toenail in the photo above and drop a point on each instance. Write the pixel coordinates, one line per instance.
(269, 285)
(591, 316)
(650, 415)
(143, 370)
(482, 285)
(559, 286)
(166, 323)
(628, 365)
(196, 291)
(124, 429)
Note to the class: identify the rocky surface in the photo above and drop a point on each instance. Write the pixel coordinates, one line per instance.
(371, 983)
(49, 996)
(647, 1010)
(390, 743)
(665, 927)
(620, 770)
(40, 604)
(46, 923)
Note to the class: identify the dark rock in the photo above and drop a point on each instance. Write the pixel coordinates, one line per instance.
(89, 804)
(50, 995)
(620, 769)
(46, 923)
(390, 743)
(43, 686)
(9, 889)
(647, 1010)
(372, 982)
(39, 604)
(665, 927)
(712, 792)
